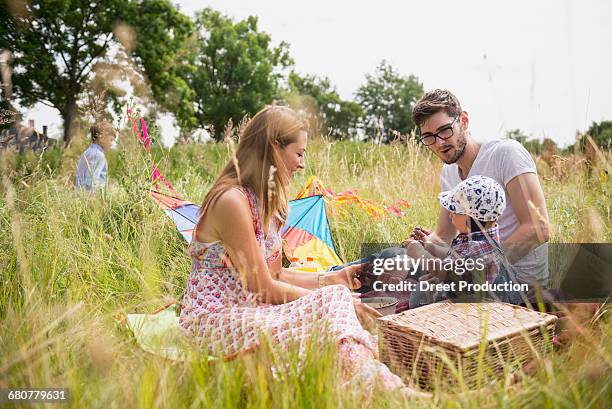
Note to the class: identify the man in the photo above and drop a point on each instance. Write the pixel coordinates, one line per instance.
(92, 167)
(523, 226)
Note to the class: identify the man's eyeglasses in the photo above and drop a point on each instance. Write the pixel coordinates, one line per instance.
(444, 133)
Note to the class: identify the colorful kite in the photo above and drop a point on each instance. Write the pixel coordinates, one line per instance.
(305, 234)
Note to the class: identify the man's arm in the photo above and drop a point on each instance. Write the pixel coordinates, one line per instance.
(445, 231)
(527, 198)
(438, 240)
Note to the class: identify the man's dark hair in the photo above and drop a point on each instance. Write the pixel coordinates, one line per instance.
(433, 102)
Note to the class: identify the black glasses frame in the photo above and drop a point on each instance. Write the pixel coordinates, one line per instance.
(437, 134)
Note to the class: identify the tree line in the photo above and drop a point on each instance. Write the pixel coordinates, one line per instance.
(74, 55)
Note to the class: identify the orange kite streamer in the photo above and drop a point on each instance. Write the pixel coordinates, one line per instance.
(314, 186)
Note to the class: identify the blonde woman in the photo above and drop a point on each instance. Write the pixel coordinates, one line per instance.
(237, 289)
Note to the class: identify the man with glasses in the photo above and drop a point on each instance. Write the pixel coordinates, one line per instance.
(523, 226)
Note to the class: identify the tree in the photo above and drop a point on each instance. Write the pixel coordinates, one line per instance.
(601, 133)
(387, 99)
(237, 71)
(55, 44)
(328, 113)
(532, 145)
(165, 46)
(58, 43)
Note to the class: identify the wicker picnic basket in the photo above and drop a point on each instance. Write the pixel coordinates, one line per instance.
(444, 341)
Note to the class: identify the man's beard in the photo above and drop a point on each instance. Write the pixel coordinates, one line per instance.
(461, 142)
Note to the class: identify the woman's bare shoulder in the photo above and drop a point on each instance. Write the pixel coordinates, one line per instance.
(230, 210)
(231, 202)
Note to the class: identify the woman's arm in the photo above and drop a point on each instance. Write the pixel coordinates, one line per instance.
(231, 219)
(299, 278)
(345, 277)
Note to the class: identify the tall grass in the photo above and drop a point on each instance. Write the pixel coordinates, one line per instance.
(72, 263)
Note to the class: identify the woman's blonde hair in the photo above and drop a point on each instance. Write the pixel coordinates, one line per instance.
(257, 163)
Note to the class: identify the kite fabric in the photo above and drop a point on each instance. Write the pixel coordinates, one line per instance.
(314, 186)
(305, 234)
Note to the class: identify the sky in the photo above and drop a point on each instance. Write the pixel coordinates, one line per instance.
(542, 66)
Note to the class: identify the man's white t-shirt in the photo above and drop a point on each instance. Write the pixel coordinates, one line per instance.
(503, 160)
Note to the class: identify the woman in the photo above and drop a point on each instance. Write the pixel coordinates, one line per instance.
(237, 288)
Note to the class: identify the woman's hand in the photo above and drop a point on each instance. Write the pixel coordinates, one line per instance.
(346, 277)
(366, 314)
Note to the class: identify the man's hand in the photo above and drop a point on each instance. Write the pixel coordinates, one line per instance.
(435, 278)
(420, 234)
(413, 247)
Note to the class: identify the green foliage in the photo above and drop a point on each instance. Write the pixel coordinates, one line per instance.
(387, 99)
(237, 70)
(55, 45)
(58, 44)
(535, 146)
(532, 145)
(601, 133)
(165, 47)
(328, 114)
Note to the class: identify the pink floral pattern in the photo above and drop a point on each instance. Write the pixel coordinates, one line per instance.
(227, 319)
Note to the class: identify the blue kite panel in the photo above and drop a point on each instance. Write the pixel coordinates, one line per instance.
(309, 214)
(185, 217)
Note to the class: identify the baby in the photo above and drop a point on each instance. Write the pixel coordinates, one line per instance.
(474, 205)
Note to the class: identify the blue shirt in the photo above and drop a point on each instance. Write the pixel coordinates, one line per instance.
(92, 168)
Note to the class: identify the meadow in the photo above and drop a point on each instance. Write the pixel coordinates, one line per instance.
(71, 264)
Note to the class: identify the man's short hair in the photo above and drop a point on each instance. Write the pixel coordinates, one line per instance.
(99, 128)
(433, 102)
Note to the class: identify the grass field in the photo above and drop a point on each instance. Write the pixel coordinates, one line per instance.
(70, 264)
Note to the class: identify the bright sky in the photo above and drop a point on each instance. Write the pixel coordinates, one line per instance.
(537, 65)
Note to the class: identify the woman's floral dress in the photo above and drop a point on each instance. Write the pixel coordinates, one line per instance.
(226, 318)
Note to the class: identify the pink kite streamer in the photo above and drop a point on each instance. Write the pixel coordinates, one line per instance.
(145, 134)
(144, 138)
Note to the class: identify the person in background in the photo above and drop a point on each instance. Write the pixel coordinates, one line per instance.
(92, 168)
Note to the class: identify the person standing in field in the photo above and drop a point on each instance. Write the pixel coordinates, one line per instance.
(523, 226)
(237, 291)
(92, 168)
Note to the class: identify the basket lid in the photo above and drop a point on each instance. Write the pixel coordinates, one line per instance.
(463, 325)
